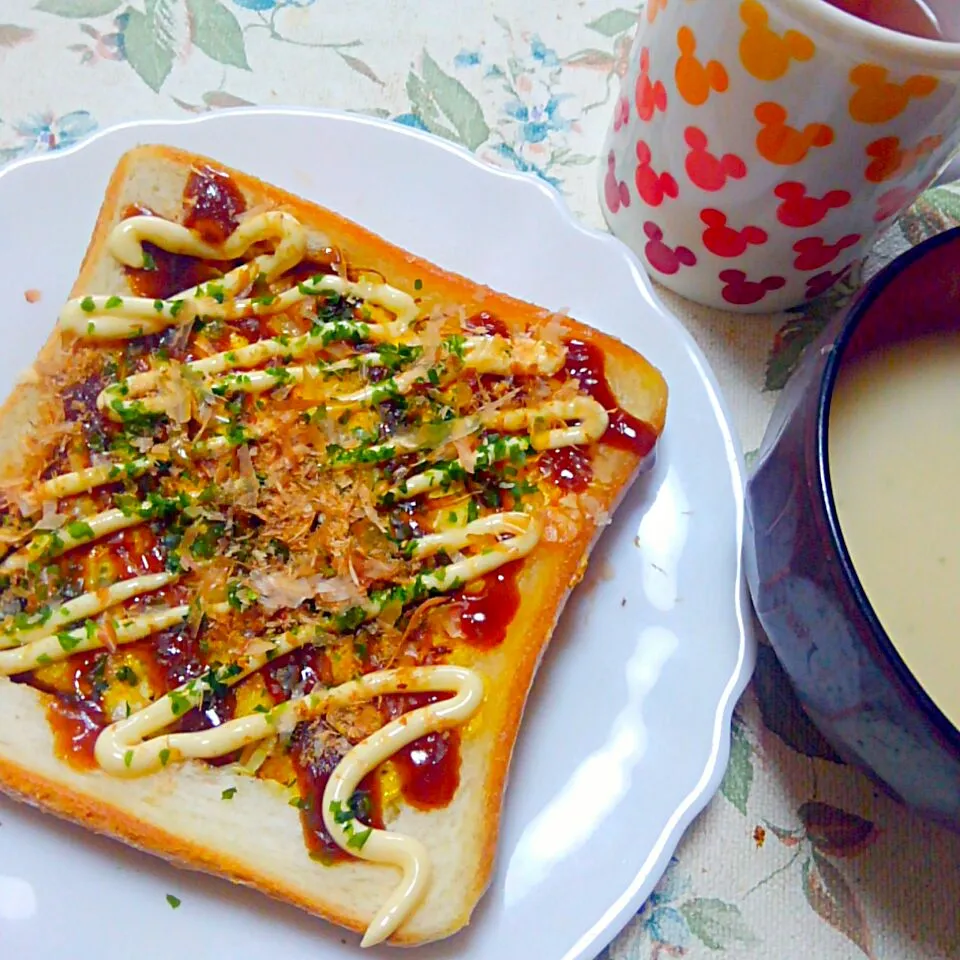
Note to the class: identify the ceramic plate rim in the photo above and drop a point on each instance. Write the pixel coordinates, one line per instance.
(656, 860)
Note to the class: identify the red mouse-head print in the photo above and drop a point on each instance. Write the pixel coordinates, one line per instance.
(814, 252)
(705, 170)
(800, 210)
(723, 240)
(663, 258)
(653, 187)
(742, 292)
(893, 201)
(616, 192)
(890, 159)
(822, 282)
(651, 95)
(621, 114)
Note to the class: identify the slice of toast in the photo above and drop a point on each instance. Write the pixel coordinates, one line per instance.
(332, 481)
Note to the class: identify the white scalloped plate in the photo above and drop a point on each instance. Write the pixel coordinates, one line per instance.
(626, 734)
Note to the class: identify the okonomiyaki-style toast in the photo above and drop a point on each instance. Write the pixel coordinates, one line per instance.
(288, 519)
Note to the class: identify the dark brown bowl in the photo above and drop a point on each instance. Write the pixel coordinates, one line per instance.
(847, 673)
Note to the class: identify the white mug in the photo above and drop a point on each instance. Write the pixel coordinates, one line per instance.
(759, 146)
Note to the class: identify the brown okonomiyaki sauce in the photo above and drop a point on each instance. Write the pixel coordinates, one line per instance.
(429, 768)
(585, 362)
(165, 274)
(487, 606)
(314, 765)
(213, 205)
(74, 712)
(486, 323)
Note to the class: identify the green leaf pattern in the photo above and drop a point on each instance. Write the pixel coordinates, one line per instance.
(78, 9)
(794, 832)
(215, 31)
(425, 107)
(739, 776)
(451, 99)
(148, 43)
(614, 22)
(717, 924)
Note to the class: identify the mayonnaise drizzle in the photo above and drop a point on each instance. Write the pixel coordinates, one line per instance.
(86, 605)
(58, 646)
(111, 318)
(96, 526)
(493, 355)
(57, 542)
(80, 481)
(379, 846)
(130, 747)
(591, 426)
(127, 238)
(89, 478)
(524, 530)
(438, 477)
(44, 644)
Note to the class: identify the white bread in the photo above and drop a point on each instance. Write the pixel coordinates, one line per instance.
(256, 838)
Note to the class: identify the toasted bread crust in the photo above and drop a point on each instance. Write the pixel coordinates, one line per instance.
(462, 838)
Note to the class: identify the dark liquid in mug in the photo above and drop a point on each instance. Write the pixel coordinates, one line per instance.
(918, 18)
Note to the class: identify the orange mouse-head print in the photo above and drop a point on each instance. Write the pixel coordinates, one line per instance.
(783, 144)
(877, 99)
(695, 80)
(764, 53)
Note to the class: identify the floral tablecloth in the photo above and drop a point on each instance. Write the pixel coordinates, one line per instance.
(798, 856)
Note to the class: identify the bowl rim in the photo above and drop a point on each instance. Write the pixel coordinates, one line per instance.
(875, 288)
